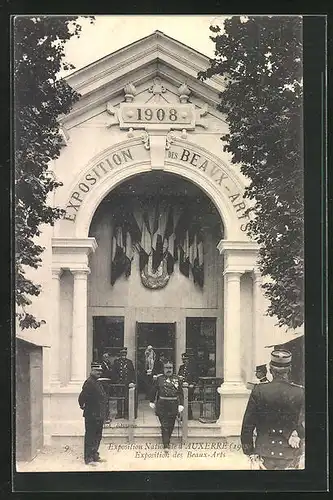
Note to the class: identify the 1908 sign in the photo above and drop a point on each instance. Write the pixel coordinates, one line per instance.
(157, 114)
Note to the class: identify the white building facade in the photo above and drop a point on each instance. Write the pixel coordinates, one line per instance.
(143, 112)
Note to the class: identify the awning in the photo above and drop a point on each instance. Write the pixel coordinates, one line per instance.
(39, 337)
(274, 338)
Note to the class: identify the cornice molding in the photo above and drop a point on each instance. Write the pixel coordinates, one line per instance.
(74, 245)
(225, 246)
(154, 42)
(97, 99)
(104, 79)
(124, 64)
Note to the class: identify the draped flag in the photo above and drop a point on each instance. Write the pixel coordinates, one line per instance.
(193, 249)
(157, 231)
(159, 236)
(169, 241)
(145, 242)
(128, 254)
(153, 218)
(125, 234)
(198, 262)
(118, 255)
(145, 234)
(138, 217)
(154, 214)
(184, 262)
(176, 211)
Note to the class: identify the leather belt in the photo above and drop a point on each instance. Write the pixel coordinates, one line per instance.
(167, 398)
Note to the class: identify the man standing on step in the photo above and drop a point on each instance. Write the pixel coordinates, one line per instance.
(167, 400)
(123, 373)
(276, 411)
(93, 401)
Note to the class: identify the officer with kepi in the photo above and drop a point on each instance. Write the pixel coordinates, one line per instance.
(122, 373)
(188, 373)
(275, 410)
(167, 400)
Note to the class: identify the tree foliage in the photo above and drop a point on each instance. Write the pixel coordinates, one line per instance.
(260, 59)
(40, 97)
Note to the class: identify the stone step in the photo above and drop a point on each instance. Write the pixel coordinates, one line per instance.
(116, 442)
(153, 428)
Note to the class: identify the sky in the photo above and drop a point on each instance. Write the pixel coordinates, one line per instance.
(110, 33)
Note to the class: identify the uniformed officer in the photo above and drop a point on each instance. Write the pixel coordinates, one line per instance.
(261, 374)
(188, 373)
(275, 411)
(93, 401)
(167, 400)
(122, 373)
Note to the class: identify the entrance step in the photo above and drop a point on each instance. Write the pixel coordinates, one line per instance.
(152, 429)
(116, 442)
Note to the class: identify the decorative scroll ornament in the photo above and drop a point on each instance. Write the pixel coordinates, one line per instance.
(184, 93)
(145, 140)
(200, 113)
(130, 92)
(142, 135)
(113, 112)
(157, 89)
(157, 279)
(170, 138)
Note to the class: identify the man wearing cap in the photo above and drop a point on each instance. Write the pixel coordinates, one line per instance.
(93, 402)
(188, 373)
(122, 373)
(261, 374)
(275, 410)
(167, 400)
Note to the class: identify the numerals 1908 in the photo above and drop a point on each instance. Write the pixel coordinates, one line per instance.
(160, 115)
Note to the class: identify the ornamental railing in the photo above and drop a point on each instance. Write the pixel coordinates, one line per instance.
(121, 396)
(201, 402)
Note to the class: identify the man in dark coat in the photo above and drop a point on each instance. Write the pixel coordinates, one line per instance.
(93, 401)
(276, 411)
(123, 373)
(261, 374)
(188, 373)
(167, 400)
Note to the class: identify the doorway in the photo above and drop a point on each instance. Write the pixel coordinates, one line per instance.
(162, 337)
(108, 336)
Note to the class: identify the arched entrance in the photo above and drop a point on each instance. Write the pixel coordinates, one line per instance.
(167, 288)
(72, 246)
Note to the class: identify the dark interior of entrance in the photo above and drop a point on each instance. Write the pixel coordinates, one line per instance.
(201, 341)
(161, 336)
(108, 336)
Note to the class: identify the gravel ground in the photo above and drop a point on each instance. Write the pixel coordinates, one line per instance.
(140, 457)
